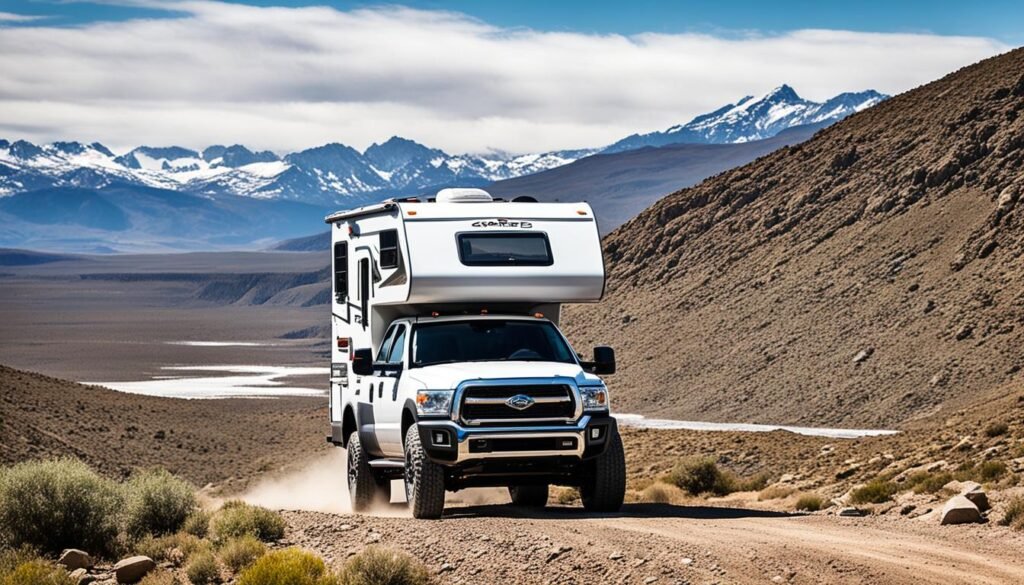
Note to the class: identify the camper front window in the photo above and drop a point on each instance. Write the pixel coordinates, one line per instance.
(505, 249)
(488, 340)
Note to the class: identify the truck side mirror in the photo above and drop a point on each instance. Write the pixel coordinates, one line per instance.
(362, 362)
(604, 360)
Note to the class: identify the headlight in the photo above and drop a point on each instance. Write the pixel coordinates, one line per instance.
(433, 402)
(595, 398)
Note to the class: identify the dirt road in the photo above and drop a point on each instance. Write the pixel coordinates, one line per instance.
(650, 543)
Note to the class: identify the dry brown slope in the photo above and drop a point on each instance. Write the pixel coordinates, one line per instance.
(227, 442)
(897, 232)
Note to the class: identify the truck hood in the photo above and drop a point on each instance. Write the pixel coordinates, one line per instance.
(448, 376)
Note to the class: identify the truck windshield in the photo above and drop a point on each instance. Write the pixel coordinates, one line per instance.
(487, 340)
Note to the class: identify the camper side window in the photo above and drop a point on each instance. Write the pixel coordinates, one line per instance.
(341, 271)
(389, 249)
(398, 346)
(505, 249)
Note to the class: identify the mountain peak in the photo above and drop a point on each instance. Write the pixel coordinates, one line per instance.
(782, 93)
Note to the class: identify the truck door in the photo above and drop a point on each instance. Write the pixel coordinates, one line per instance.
(388, 406)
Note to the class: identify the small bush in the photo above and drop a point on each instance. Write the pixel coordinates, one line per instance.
(924, 482)
(875, 491)
(754, 483)
(160, 578)
(700, 476)
(157, 503)
(996, 429)
(175, 548)
(236, 518)
(289, 566)
(239, 553)
(36, 572)
(566, 496)
(197, 524)
(809, 503)
(990, 471)
(376, 566)
(203, 569)
(775, 492)
(1014, 514)
(660, 493)
(53, 505)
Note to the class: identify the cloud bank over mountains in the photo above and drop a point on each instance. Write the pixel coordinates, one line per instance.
(283, 78)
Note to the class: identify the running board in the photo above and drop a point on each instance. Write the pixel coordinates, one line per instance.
(387, 463)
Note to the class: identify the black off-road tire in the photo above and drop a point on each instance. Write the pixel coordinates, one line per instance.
(529, 496)
(604, 484)
(364, 489)
(424, 479)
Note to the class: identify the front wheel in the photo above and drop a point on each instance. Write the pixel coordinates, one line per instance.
(424, 479)
(604, 484)
(363, 488)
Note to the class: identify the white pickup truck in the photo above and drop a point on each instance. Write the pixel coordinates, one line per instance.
(448, 368)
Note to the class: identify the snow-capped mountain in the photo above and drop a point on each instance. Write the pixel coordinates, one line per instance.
(755, 119)
(331, 174)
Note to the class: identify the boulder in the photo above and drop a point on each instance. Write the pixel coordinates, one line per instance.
(850, 512)
(73, 559)
(133, 569)
(959, 510)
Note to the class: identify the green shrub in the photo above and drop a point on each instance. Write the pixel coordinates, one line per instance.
(289, 566)
(238, 553)
(381, 566)
(990, 471)
(700, 476)
(1013, 516)
(157, 503)
(53, 505)
(236, 518)
(36, 572)
(924, 482)
(875, 491)
(203, 569)
(996, 429)
(197, 524)
(810, 503)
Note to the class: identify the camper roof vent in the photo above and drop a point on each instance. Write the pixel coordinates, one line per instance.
(463, 196)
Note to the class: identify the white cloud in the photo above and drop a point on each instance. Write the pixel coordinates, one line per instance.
(287, 78)
(9, 17)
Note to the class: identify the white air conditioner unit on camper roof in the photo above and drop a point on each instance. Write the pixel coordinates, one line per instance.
(463, 195)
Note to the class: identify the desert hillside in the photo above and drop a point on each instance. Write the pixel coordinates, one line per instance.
(868, 276)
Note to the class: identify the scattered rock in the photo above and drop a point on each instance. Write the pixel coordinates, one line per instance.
(73, 559)
(687, 561)
(557, 552)
(160, 435)
(850, 512)
(615, 556)
(650, 580)
(964, 332)
(81, 576)
(971, 490)
(959, 510)
(445, 568)
(863, 355)
(133, 569)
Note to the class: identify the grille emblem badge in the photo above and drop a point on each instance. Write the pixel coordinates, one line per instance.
(520, 402)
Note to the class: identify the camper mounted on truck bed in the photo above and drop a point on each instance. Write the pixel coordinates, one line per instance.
(448, 369)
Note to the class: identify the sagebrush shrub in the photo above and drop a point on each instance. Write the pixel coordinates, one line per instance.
(202, 569)
(237, 518)
(238, 553)
(53, 505)
(1013, 516)
(383, 566)
(197, 524)
(700, 476)
(289, 566)
(37, 572)
(160, 578)
(809, 503)
(875, 491)
(659, 493)
(157, 503)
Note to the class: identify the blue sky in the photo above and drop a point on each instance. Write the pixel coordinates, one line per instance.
(523, 76)
(998, 19)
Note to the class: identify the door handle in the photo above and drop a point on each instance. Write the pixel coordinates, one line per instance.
(380, 390)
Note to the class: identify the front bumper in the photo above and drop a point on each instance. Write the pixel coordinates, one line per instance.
(448, 443)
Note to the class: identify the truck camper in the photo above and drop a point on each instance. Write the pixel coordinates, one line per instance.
(448, 369)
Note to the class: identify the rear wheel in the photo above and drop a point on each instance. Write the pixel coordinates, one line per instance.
(604, 484)
(364, 490)
(424, 479)
(529, 496)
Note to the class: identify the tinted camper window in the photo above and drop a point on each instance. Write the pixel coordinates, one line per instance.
(364, 290)
(389, 249)
(527, 249)
(341, 271)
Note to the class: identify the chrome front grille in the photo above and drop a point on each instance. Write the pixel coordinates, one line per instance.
(517, 404)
